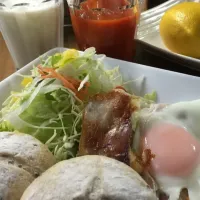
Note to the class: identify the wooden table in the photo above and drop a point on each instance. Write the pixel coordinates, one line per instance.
(142, 57)
(6, 63)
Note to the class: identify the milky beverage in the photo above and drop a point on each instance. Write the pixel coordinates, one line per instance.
(32, 27)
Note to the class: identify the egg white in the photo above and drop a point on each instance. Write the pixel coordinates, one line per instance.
(186, 115)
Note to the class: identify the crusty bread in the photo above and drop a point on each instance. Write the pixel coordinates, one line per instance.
(22, 158)
(91, 178)
(24, 151)
(13, 181)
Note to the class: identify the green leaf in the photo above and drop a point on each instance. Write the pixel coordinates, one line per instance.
(151, 96)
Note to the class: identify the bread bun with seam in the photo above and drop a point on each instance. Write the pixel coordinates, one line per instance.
(22, 159)
(13, 181)
(89, 177)
(26, 152)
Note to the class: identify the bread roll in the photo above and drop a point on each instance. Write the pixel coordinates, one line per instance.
(13, 181)
(24, 151)
(89, 178)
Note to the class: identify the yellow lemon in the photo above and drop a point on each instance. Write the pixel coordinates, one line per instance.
(180, 29)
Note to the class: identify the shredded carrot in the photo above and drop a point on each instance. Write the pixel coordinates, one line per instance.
(67, 82)
(40, 70)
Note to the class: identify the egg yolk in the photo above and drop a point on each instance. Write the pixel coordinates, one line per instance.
(176, 150)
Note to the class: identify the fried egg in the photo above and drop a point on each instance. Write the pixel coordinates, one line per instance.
(172, 133)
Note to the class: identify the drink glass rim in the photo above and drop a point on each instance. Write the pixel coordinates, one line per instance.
(24, 3)
(76, 6)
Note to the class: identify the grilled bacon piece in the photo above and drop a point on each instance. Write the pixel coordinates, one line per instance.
(107, 128)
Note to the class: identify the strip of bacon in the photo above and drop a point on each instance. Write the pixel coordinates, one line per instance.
(107, 129)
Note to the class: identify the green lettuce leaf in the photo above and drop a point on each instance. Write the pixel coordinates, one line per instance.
(52, 113)
(151, 96)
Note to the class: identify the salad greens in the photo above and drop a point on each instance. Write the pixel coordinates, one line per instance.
(50, 110)
(151, 97)
(50, 105)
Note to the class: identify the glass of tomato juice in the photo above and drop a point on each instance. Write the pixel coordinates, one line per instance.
(107, 25)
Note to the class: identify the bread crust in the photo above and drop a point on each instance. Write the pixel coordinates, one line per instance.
(89, 177)
(22, 159)
(26, 152)
(13, 181)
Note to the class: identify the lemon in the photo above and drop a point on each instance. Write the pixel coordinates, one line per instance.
(180, 29)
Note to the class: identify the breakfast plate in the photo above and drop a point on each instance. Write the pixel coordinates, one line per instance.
(149, 37)
(101, 118)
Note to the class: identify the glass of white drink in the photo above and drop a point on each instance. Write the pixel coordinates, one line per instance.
(31, 27)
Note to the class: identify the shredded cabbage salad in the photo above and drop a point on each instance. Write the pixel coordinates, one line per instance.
(50, 105)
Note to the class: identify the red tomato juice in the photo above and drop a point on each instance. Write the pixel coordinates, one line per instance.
(101, 24)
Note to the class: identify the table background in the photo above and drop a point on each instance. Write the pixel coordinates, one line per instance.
(6, 62)
(141, 57)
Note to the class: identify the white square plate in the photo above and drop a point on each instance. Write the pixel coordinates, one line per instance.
(170, 86)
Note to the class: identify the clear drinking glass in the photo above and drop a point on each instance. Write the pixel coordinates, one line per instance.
(31, 27)
(107, 25)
